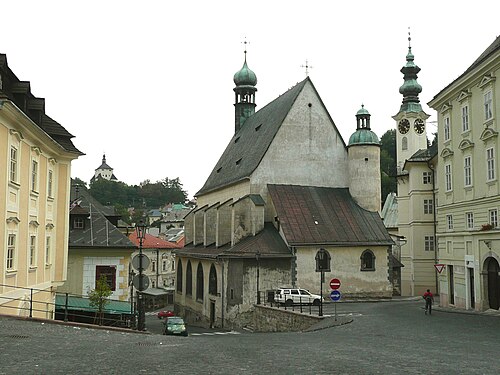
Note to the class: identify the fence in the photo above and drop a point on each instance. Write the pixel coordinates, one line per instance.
(65, 306)
(298, 303)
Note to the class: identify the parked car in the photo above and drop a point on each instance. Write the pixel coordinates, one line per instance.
(174, 325)
(165, 314)
(291, 296)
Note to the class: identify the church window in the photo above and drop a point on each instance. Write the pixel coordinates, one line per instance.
(179, 276)
(488, 104)
(427, 178)
(367, 261)
(189, 279)
(212, 281)
(446, 128)
(493, 214)
(199, 282)
(467, 171)
(429, 243)
(469, 220)
(447, 177)
(428, 206)
(449, 221)
(490, 162)
(404, 143)
(465, 118)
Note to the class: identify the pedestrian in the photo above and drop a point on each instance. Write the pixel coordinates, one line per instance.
(429, 300)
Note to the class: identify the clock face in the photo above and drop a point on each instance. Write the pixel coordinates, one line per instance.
(404, 126)
(419, 126)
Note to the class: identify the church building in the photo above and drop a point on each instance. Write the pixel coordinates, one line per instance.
(286, 187)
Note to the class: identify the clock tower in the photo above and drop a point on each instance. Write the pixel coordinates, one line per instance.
(410, 120)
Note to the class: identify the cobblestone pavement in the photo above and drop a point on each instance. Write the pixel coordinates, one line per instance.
(383, 338)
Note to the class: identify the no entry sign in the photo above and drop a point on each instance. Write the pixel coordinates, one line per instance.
(334, 284)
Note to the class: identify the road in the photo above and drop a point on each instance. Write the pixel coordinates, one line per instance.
(384, 338)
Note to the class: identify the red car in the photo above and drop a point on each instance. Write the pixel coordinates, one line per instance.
(165, 314)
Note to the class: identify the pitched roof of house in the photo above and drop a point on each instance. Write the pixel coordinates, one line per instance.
(152, 242)
(492, 48)
(249, 145)
(268, 243)
(99, 232)
(310, 215)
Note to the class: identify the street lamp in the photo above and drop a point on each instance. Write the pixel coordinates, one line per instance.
(257, 257)
(140, 229)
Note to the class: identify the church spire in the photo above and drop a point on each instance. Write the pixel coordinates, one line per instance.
(410, 88)
(244, 105)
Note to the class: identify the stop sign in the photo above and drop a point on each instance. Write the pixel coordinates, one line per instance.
(334, 284)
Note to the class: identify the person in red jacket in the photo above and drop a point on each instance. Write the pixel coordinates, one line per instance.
(429, 300)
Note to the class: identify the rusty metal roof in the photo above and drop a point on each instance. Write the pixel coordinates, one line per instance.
(310, 215)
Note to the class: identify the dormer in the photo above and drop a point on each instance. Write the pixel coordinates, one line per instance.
(36, 109)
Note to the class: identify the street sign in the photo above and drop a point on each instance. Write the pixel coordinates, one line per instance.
(335, 295)
(439, 267)
(334, 284)
(137, 282)
(137, 259)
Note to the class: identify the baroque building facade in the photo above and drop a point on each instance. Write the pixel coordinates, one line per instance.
(34, 200)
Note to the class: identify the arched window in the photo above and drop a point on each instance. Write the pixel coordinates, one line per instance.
(199, 282)
(367, 260)
(404, 143)
(179, 276)
(212, 281)
(189, 279)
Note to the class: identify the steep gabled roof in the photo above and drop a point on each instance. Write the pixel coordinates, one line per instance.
(152, 242)
(249, 145)
(310, 215)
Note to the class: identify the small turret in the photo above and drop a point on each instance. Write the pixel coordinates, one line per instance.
(244, 106)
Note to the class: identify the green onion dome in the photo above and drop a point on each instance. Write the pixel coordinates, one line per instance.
(245, 77)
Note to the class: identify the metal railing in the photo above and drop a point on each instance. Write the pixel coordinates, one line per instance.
(29, 306)
(294, 303)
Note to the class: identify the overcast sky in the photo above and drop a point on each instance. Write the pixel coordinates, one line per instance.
(150, 83)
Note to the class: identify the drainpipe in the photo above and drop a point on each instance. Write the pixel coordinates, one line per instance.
(431, 167)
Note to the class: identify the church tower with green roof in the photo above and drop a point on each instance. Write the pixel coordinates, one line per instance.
(244, 105)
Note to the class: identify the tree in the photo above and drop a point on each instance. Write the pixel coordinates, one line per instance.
(80, 183)
(99, 297)
(388, 163)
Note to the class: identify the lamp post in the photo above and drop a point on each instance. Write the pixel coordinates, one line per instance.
(257, 257)
(141, 234)
(132, 306)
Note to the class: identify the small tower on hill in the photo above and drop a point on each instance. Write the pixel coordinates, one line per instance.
(104, 171)
(364, 164)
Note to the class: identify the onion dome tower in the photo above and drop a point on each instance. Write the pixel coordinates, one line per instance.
(364, 164)
(244, 105)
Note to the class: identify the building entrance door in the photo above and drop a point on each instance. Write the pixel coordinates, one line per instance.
(212, 313)
(493, 283)
(451, 285)
(471, 288)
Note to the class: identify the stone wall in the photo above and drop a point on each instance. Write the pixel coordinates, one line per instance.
(272, 319)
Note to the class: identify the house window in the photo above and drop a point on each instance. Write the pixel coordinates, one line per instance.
(367, 261)
(189, 279)
(490, 162)
(173, 265)
(109, 272)
(34, 175)
(13, 164)
(469, 220)
(429, 243)
(446, 128)
(49, 184)
(404, 143)
(488, 103)
(32, 251)
(179, 277)
(153, 284)
(199, 282)
(427, 178)
(428, 206)
(11, 251)
(467, 171)
(164, 266)
(447, 177)
(153, 266)
(493, 214)
(465, 118)
(449, 247)
(212, 281)
(47, 250)
(78, 223)
(449, 221)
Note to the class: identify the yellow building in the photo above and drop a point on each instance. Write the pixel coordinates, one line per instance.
(467, 184)
(34, 199)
